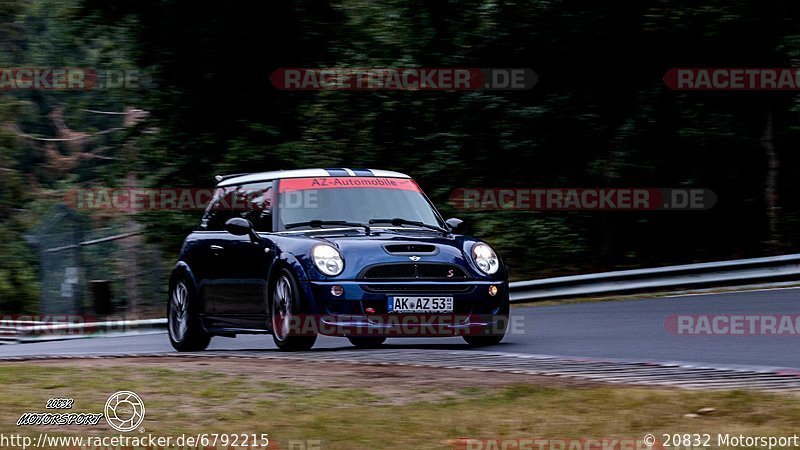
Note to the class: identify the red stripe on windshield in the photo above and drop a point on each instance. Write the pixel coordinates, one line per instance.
(300, 184)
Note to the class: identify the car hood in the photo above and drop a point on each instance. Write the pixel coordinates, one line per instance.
(360, 251)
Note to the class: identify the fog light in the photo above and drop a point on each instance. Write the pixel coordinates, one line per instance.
(492, 290)
(337, 290)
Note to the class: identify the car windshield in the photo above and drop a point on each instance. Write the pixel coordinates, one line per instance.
(355, 200)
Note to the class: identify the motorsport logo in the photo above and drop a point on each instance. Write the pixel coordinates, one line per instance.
(124, 411)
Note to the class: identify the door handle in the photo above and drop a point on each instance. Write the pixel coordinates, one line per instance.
(217, 250)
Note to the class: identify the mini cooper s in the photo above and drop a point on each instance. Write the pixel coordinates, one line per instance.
(361, 254)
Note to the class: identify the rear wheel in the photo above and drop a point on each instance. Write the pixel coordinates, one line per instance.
(366, 342)
(285, 305)
(185, 330)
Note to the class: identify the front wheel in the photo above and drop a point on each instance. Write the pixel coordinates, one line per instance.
(285, 306)
(185, 330)
(482, 341)
(366, 342)
(496, 333)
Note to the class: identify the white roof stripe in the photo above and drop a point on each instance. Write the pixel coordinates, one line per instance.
(388, 174)
(301, 173)
(350, 172)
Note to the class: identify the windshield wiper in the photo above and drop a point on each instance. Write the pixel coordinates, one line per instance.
(320, 223)
(397, 221)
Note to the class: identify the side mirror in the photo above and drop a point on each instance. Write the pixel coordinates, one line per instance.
(456, 225)
(238, 226)
(242, 227)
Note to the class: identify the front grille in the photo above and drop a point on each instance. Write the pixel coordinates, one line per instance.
(440, 271)
(419, 271)
(422, 288)
(391, 271)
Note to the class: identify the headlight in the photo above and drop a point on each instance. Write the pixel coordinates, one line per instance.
(485, 258)
(328, 260)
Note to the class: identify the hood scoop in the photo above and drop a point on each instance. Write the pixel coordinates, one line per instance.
(411, 249)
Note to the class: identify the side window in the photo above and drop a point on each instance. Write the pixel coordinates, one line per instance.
(256, 200)
(216, 213)
(250, 201)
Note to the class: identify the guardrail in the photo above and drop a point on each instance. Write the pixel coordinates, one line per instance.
(723, 273)
(45, 331)
(740, 271)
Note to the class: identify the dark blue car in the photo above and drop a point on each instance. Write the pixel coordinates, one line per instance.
(361, 254)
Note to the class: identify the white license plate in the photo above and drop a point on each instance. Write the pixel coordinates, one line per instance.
(420, 304)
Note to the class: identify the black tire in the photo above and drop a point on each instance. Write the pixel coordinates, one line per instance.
(483, 341)
(492, 337)
(185, 331)
(285, 303)
(366, 341)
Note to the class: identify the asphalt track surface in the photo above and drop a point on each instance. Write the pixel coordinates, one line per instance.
(630, 330)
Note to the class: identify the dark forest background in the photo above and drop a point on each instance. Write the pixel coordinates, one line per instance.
(600, 115)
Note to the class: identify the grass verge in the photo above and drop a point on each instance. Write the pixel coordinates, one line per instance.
(364, 407)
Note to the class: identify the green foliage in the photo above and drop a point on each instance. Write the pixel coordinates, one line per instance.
(600, 115)
(19, 281)
(18, 278)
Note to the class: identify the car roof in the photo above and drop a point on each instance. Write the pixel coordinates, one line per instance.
(229, 180)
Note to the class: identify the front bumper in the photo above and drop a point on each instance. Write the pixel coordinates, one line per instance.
(362, 309)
